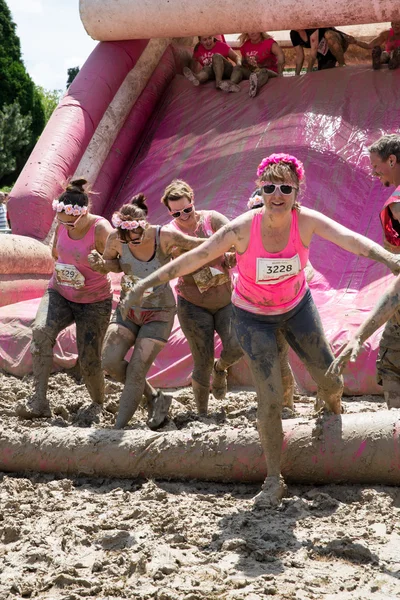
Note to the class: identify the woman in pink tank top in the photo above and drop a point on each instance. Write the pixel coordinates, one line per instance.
(271, 296)
(385, 47)
(76, 294)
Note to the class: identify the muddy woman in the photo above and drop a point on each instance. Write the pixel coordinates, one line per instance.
(138, 249)
(271, 295)
(76, 294)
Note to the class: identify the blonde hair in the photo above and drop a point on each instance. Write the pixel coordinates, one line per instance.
(243, 37)
(176, 190)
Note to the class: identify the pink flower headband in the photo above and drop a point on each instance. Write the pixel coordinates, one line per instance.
(69, 209)
(285, 158)
(255, 201)
(118, 222)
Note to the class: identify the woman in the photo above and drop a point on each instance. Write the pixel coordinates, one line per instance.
(138, 249)
(211, 57)
(204, 298)
(76, 293)
(262, 58)
(271, 295)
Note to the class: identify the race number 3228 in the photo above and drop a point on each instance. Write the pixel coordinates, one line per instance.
(271, 269)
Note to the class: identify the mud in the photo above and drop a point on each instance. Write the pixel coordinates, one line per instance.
(71, 538)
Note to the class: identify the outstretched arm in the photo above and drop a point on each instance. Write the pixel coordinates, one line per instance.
(382, 311)
(378, 41)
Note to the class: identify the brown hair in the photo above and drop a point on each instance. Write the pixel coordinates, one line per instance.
(176, 190)
(75, 192)
(387, 145)
(243, 37)
(135, 210)
(280, 173)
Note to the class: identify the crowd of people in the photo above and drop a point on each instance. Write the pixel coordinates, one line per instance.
(259, 313)
(261, 58)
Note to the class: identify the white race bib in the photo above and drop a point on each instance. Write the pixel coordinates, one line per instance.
(272, 270)
(129, 281)
(69, 276)
(323, 47)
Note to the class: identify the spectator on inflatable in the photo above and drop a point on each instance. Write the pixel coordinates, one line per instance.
(76, 294)
(138, 248)
(327, 47)
(215, 60)
(204, 298)
(262, 58)
(271, 294)
(390, 53)
(3, 213)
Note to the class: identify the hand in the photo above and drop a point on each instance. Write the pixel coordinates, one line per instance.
(230, 259)
(132, 298)
(96, 261)
(349, 353)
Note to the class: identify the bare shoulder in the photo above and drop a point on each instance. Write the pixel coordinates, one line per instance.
(103, 225)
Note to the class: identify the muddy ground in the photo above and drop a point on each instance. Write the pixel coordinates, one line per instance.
(68, 538)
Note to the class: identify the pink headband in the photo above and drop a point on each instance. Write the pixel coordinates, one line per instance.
(255, 201)
(274, 159)
(118, 222)
(74, 210)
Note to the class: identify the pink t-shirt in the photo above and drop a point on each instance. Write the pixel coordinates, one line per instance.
(259, 55)
(391, 43)
(204, 56)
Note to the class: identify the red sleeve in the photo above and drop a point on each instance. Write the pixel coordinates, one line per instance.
(222, 48)
(267, 45)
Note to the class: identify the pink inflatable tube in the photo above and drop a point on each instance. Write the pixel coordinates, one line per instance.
(67, 134)
(359, 448)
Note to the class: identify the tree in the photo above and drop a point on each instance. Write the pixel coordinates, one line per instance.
(72, 73)
(17, 86)
(14, 136)
(49, 100)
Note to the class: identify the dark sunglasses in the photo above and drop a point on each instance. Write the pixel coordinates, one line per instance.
(177, 213)
(286, 190)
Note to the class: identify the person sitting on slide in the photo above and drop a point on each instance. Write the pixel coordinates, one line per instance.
(327, 47)
(138, 248)
(390, 54)
(271, 295)
(211, 56)
(262, 58)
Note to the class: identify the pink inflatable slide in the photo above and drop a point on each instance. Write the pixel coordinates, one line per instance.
(215, 142)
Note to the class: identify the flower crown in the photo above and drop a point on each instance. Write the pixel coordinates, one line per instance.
(255, 201)
(285, 158)
(118, 222)
(69, 209)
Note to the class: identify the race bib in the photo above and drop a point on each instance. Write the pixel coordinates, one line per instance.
(209, 277)
(69, 276)
(323, 47)
(272, 270)
(128, 282)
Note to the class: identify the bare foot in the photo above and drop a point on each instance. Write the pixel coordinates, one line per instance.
(272, 491)
(219, 383)
(190, 76)
(253, 85)
(34, 408)
(228, 86)
(158, 409)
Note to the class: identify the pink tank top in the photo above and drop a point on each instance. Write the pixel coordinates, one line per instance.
(271, 283)
(73, 277)
(391, 43)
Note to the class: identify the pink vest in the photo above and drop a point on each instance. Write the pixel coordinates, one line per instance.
(271, 283)
(73, 277)
(391, 235)
(391, 44)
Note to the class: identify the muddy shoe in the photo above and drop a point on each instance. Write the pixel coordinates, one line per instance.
(34, 408)
(228, 86)
(158, 409)
(219, 383)
(376, 58)
(272, 492)
(190, 76)
(394, 61)
(253, 85)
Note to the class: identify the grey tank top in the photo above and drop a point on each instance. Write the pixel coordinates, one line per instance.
(160, 297)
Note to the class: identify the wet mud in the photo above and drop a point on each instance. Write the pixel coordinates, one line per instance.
(65, 538)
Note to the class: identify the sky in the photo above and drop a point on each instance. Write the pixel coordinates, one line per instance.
(52, 38)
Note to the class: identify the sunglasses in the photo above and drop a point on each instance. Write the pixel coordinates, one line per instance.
(70, 224)
(286, 190)
(177, 213)
(134, 242)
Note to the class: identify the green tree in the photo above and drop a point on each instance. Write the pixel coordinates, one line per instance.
(14, 136)
(49, 99)
(17, 86)
(72, 73)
